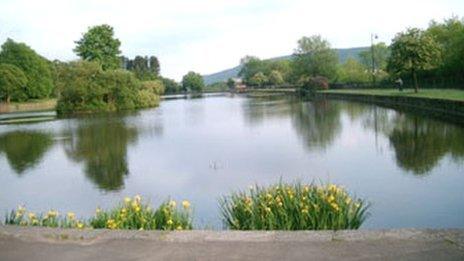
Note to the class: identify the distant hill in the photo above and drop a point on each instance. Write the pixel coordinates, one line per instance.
(222, 76)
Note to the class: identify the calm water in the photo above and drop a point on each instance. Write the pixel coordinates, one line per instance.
(410, 167)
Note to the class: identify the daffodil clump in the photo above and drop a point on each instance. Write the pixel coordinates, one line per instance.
(293, 207)
(52, 218)
(134, 214)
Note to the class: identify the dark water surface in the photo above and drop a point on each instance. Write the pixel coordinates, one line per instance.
(411, 168)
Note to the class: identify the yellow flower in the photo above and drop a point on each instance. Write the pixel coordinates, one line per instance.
(306, 189)
(357, 205)
(186, 204)
(80, 225)
(111, 224)
(172, 204)
(304, 211)
(268, 195)
(268, 209)
(35, 222)
(137, 209)
(179, 227)
(21, 210)
(330, 198)
(52, 214)
(71, 215)
(98, 211)
(348, 200)
(135, 204)
(138, 198)
(127, 200)
(123, 210)
(335, 206)
(280, 204)
(31, 215)
(169, 222)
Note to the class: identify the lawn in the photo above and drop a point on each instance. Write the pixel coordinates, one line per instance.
(445, 94)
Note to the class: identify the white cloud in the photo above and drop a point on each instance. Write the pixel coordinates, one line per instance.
(210, 35)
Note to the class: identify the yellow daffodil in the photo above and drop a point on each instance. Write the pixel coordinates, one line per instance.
(169, 222)
(186, 204)
(71, 215)
(127, 200)
(80, 225)
(172, 204)
(179, 227)
(31, 215)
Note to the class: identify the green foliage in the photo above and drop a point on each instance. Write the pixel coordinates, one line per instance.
(259, 79)
(275, 78)
(85, 87)
(12, 83)
(381, 54)
(216, 87)
(170, 86)
(314, 57)
(35, 68)
(450, 37)
(155, 86)
(293, 207)
(98, 44)
(193, 81)
(412, 51)
(144, 68)
(130, 214)
(314, 83)
(230, 83)
(353, 72)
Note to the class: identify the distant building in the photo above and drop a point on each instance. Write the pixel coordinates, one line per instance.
(239, 86)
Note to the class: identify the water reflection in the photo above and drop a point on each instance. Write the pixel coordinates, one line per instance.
(102, 145)
(316, 122)
(24, 149)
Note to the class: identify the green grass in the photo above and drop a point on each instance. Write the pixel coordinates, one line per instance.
(32, 105)
(129, 214)
(293, 207)
(445, 94)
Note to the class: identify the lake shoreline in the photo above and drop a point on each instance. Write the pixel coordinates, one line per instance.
(56, 244)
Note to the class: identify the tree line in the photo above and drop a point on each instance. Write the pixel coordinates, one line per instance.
(101, 80)
(435, 54)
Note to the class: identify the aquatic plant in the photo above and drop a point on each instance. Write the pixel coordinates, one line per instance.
(293, 207)
(132, 213)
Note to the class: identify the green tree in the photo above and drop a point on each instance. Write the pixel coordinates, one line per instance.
(275, 78)
(314, 57)
(99, 44)
(381, 54)
(259, 79)
(12, 83)
(35, 68)
(193, 81)
(170, 85)
(230, 83)
(413, 51)
(353, 72)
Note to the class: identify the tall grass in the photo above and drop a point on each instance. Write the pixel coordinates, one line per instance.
(293, 207)
(132, 213)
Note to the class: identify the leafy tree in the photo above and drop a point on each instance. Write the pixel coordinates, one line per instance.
(250, 66)
(450, 37)
(154, 65)
(412, 51)
(170, 86)
(12, 83)
(230, 83)
(381, 54)
(35, 68)
(193, 81)
(275, 78)
(353, 72)
(314, 57)
(155, 86)
(99, 44)
(259, 79)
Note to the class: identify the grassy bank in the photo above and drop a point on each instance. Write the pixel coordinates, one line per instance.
(34, 105)
(444, 94)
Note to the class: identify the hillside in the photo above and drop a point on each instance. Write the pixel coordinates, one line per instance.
(222, 76)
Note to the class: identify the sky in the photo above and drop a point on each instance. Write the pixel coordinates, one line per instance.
(208, 36)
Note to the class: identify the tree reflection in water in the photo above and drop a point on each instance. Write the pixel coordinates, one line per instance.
(24, 149)
(101, 143)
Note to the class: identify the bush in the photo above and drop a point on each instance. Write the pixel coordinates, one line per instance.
(35, 68)
(315, 83)
(155, 86)
(85, 87)
(293, 207)
(130, 214)
(12, 83)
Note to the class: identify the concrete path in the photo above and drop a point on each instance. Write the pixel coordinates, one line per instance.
(19, 243)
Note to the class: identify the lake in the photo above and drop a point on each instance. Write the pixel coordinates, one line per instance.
(410, 167)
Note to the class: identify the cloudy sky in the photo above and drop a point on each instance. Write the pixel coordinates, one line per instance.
(207, 36)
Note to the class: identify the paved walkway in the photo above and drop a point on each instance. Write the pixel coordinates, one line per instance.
(18, 243)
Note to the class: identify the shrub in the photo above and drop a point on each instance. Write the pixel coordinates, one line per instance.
(147, 98)
(35, 68)
(293, 207)
(315, 83)
(130, 214)
(12, 83)
(156, 86)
